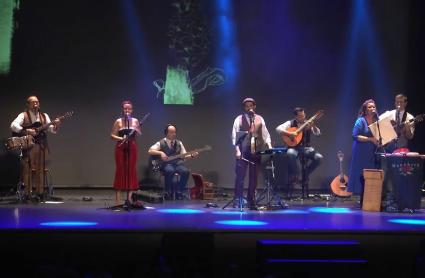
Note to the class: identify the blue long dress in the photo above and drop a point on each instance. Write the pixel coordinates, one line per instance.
(362, 156)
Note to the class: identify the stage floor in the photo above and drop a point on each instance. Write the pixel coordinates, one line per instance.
(308, 216)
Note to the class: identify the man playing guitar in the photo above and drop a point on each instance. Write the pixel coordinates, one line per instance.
(290, 131)
(33, 159)
(403, 123)
(167, 147)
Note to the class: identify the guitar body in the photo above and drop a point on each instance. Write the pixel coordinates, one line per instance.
(292, 142)
(339, 186)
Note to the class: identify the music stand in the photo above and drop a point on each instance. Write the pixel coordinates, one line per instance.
(268, 192)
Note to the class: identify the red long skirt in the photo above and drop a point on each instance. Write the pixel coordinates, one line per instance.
(125, 171)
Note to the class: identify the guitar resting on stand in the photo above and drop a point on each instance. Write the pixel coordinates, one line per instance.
(340, 182)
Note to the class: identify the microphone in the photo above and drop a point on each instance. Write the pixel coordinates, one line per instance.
(398, 107)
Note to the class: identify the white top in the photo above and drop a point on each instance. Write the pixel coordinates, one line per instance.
(157, 146)
(264, 132)
(16, 125)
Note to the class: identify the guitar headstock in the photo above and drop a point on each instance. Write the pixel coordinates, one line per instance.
(340, 155)
(319, 114)
(67, 115)
(207, 148)
(419, 118)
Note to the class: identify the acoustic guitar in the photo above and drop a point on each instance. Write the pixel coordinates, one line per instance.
(340, 182)
(294, 141)
(400, 127)
(22, 141)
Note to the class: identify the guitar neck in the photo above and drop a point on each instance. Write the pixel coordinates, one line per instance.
(341, 173)
(182, 155)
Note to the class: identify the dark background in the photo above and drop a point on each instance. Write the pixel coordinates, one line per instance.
(327, 54)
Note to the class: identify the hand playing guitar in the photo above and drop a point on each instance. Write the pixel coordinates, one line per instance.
(57, 122)
(192, 155)
(292, 134)
(31, 131)
(164, 157)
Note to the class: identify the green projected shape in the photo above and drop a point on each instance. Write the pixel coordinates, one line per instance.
(7, 8)
(177, 87)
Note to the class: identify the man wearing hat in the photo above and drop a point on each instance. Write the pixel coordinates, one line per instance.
(249, 133)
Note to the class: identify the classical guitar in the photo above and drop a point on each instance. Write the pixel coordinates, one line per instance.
(340, 182)
(39, 131)
(294, 141)
(158, 163)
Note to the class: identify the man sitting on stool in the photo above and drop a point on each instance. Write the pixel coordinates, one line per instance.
(304, 146)
(170, 146)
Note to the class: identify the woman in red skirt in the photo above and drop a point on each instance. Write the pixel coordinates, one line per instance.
(124, 131)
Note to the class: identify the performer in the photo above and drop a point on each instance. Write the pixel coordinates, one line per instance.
(165, 148)
(249, 132)
(33, 163)
(304, 146)
(124, 131)
(364, 147)
(404, 132)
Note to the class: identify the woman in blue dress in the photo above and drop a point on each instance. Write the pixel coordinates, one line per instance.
(364, 146)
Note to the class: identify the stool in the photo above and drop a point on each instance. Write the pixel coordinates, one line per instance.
(172, 190)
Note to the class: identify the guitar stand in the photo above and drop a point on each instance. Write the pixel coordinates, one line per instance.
(269, 193)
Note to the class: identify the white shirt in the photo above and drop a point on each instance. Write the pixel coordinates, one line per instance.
(408, 118)
(264, 132)
(16, 125)
(157, 146)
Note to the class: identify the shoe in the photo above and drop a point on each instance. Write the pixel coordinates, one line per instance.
(179, 196)
(253, 207)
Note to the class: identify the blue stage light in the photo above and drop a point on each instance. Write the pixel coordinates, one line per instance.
(241, 222)
(68, 224)
(181, 211)
(291, 211)
(330, 210)
(408, 221)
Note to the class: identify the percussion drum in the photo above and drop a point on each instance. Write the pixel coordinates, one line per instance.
(24, 142)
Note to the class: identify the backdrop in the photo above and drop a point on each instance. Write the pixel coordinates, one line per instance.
(88, 56)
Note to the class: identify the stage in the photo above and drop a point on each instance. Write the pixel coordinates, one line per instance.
(81, 228)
